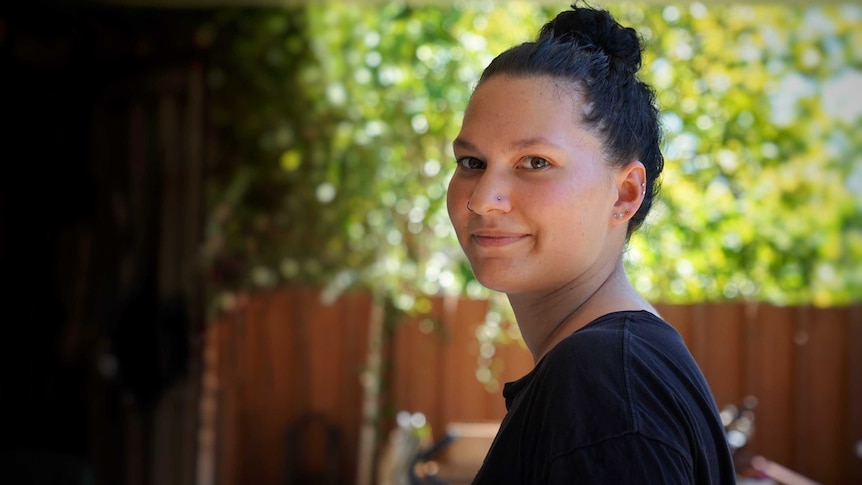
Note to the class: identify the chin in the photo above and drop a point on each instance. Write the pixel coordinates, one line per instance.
(497, 283)
(501, 275)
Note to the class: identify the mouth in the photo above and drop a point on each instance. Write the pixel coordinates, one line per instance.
(492, 240)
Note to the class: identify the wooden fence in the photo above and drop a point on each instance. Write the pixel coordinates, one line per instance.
(286, 355)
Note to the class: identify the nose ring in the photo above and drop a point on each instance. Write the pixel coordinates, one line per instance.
(499, 198)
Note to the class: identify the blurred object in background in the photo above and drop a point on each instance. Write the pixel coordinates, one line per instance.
(410, 454)
(752, 469)
(464, 457)
(739, 423)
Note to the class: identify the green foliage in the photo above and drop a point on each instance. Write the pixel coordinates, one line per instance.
(761, 195)
(334, 131)
(335, 122)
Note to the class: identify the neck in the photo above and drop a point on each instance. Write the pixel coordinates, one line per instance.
(547, 318)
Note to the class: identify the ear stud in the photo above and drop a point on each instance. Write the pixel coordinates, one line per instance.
(618, 215)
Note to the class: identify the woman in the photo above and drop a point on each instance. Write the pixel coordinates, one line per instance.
(557, 163)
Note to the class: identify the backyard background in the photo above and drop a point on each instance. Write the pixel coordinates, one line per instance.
(220, 220)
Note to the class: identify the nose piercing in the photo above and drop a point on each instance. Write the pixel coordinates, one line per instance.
(499, 198)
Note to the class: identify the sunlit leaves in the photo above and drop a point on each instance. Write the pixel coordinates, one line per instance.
(335, 123)
(755, 205)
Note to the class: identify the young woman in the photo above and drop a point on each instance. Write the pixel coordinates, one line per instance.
(557, 163)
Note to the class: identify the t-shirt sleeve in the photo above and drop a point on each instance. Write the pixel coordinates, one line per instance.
(630, 458)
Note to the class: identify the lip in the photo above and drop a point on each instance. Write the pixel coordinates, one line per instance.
(494, 239)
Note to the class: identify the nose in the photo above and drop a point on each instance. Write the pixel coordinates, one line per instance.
(491, 194)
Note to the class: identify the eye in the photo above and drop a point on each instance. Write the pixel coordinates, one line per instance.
(470, 163)
(534, 163)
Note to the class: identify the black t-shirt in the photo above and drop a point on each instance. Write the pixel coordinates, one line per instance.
(620, 401)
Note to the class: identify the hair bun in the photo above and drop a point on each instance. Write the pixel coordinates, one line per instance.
(597, 28)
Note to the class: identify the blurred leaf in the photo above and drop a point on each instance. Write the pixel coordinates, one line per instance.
(335, 121)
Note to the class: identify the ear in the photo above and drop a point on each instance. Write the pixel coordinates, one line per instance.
(631, 187)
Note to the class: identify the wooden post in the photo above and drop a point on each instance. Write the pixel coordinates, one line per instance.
(370, 381)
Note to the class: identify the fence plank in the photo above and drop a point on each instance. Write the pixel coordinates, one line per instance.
(770, 364)
(226, 432)
(465, 397)
(821, 377)
(327, 355)
(355, 312)
(721, 357)
(415, 368)
(262, 444)
(274, 330)
(852, 444)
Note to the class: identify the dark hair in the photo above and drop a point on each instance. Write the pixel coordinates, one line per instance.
(590, 48)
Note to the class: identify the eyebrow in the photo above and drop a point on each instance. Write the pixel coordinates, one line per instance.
(514, 146)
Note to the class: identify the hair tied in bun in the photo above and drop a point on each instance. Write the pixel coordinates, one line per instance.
(597, 28)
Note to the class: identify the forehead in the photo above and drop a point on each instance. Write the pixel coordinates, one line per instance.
(524, 107)
(512, 94)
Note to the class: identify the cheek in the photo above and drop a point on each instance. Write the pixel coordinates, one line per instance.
(453, 203)
(458, 191)
(450, 203)
(555, 200)
(568, 209)
(456, 205)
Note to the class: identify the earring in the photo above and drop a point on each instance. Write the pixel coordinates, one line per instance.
(643, 188)
(470, 208)
(617, 215)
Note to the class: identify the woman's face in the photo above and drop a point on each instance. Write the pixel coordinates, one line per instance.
(541, 194)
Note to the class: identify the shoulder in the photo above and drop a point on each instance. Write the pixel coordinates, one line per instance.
(594, 354)
(623, 394)
(587, 374)
(611, 339)
(629, 369)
